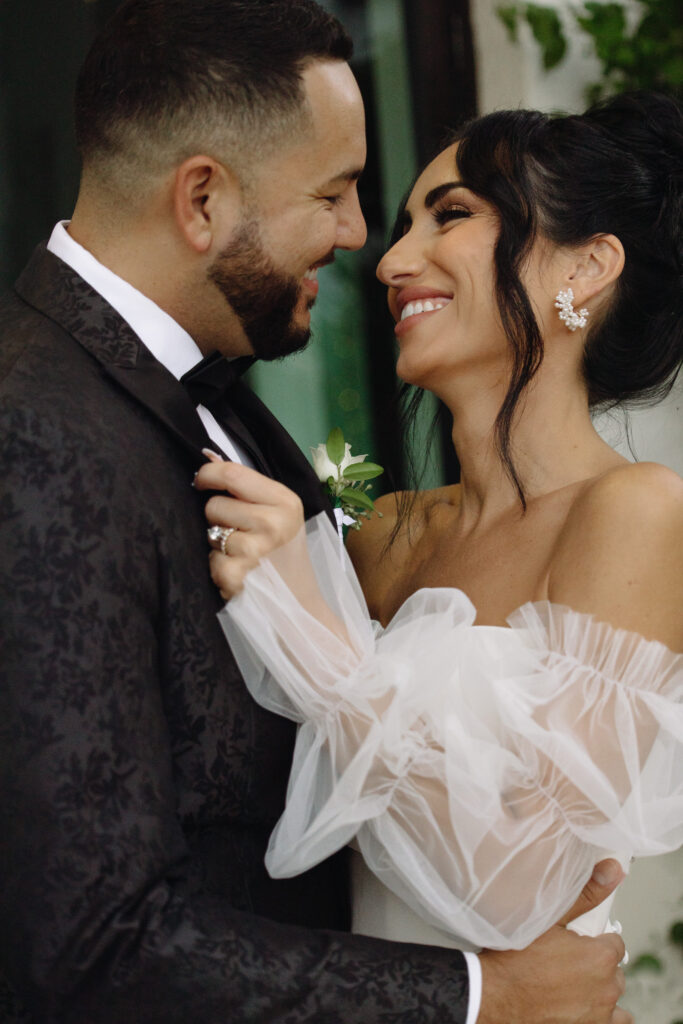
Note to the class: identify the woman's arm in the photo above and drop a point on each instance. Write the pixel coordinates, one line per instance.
(464, 763)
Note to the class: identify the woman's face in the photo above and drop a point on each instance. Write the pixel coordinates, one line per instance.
(441, 281)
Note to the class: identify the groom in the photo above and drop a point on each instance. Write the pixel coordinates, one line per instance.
(222, 141)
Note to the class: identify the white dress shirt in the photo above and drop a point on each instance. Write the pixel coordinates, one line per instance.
(160, 333)
(474, 969)
(174, 348)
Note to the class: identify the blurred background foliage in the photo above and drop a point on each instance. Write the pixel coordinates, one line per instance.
(639, 45)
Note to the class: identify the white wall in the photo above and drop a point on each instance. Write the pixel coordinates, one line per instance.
(656, 434)
(510, 76)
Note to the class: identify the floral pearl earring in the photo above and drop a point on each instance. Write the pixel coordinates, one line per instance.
(564, 302)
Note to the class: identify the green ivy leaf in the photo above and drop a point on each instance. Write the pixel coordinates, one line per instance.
(671, 70)
(362, 471)
(545, 24)
(335, 445)
(606, 25)
(509, 17)
(646, 962)
(676, 933)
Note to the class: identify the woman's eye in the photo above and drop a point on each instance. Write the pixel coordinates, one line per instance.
(448, 213)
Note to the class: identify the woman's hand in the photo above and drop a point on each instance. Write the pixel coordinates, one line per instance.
(262, 514)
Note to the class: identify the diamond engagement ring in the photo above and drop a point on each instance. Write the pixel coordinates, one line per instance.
(219, 535)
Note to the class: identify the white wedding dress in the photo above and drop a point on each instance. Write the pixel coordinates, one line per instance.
(481, 771)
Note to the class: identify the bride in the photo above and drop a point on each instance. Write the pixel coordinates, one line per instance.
(518, 710)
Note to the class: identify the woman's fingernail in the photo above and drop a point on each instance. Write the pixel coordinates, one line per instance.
(214, 456)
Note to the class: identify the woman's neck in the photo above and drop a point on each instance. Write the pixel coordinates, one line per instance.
(553, 444)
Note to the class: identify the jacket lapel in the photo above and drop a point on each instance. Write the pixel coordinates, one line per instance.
(284, 457)
(54, 289)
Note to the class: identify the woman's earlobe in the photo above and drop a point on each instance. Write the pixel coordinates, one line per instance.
(591, 275)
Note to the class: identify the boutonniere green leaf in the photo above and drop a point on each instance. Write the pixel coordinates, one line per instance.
(345, 477)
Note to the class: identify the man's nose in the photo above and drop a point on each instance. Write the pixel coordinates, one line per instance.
(352, 232)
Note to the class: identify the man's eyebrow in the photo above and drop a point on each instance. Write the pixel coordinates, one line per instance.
(435, 194)
(353, 174)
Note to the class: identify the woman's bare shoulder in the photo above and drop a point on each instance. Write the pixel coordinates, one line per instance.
(383, 549)
(620, 553)
(629, 494)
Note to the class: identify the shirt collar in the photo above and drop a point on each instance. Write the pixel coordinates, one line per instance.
(160, 333)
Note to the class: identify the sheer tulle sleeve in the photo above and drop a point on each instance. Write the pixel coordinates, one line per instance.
(481, 770)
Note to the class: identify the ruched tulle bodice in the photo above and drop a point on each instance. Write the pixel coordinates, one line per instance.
(481, 771)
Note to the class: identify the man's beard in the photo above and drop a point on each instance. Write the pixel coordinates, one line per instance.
(263, 297)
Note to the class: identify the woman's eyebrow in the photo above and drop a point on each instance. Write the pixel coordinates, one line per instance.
(435, 194)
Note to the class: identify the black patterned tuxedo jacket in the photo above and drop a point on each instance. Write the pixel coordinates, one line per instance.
(138, 780)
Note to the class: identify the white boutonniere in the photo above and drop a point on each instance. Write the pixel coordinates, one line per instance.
(346, 478)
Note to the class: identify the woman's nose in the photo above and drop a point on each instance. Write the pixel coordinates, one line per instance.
(401, 261)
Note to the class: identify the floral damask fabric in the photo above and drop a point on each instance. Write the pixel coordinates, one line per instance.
(138, 779)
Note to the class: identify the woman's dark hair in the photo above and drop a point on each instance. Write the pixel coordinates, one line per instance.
(160, 65)
(616, 169)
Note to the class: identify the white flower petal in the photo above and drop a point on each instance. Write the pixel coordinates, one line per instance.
(322, 464)
(350, 459)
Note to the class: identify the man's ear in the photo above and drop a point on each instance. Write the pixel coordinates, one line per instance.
(598, 265)
(206, 202)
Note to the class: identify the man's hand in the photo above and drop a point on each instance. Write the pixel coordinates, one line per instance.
(561, 978)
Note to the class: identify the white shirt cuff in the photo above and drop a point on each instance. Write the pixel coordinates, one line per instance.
(474, 971)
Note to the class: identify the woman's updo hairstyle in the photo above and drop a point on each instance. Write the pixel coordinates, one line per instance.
(617, 169)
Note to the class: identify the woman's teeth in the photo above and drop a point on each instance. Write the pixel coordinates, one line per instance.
(426, 306)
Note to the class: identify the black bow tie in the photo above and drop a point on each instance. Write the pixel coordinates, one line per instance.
(208, 381)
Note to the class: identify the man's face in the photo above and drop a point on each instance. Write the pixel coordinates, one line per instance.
(264, 298)
(303, 204)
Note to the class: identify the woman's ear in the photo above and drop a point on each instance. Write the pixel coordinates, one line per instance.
(598, 265)
(206, 202)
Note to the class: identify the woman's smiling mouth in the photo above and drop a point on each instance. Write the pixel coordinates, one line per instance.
(428, 306)
(416, 302)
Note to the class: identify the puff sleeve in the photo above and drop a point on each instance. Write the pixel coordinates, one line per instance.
(481, 770)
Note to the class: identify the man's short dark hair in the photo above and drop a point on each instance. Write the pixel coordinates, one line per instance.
(169, 78)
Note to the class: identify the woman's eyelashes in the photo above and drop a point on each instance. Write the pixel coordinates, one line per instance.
(442, 213)
(450, 211)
